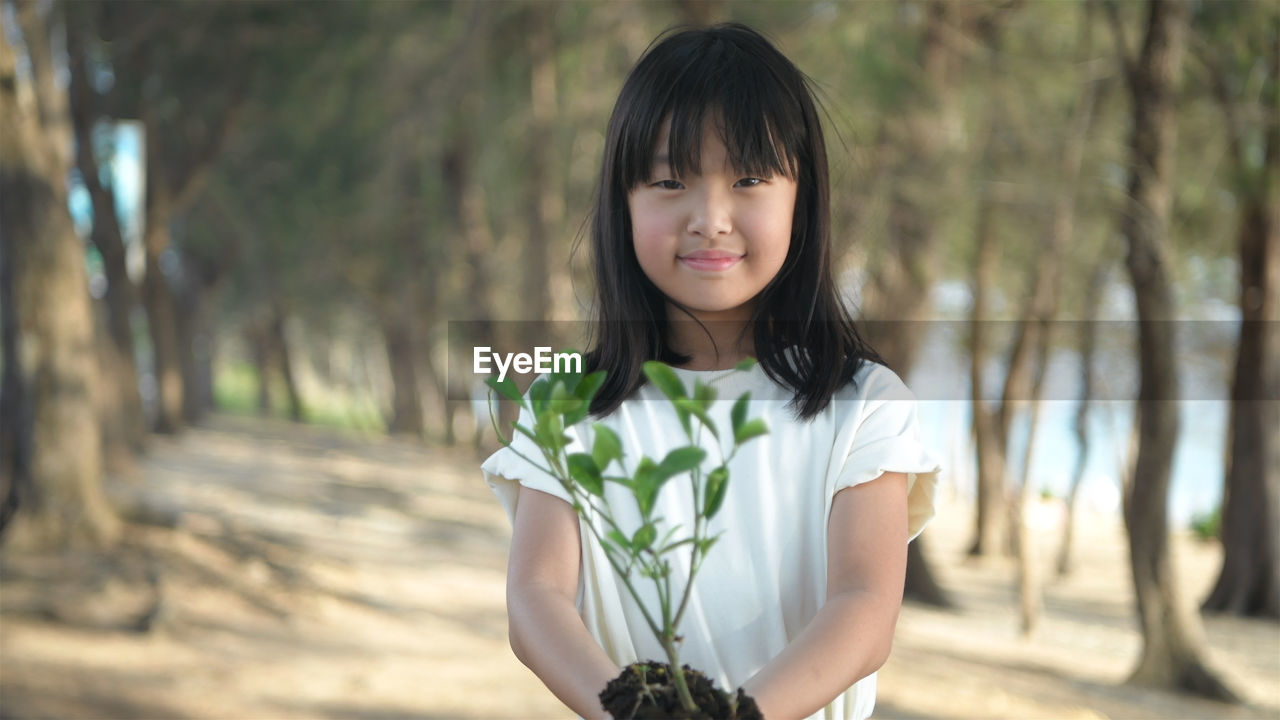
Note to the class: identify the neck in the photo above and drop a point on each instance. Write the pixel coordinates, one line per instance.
(718, 343)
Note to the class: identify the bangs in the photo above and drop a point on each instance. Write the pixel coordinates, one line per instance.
(752, 102)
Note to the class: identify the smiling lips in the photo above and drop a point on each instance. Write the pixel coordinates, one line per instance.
(710, 260)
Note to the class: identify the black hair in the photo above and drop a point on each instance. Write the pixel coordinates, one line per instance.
(768, 121)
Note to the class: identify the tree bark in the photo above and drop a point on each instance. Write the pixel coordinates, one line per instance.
(57, 469)
(1042, 309)
(406, 404)
(1249, 582)
(1088, 343)
(195, 341)
(990, 500)
(1173, 638)
(896, 296)
(123, 422)
(465, 205)
(279, 343)
(157, 297)
(255, 337)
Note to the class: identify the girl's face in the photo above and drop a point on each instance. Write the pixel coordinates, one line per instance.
(712, 241)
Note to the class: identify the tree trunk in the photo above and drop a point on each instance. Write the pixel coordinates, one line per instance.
(1173, 639)
(465, 203)
(255, 337)
(896, 297)
(545, 196)
(50, 368)
(406, 403)
(1042, 311)
(123, 422)
(1088, 343)
(990, 502)
(1249, 582)
(1029, 575)
(157, 298)
(193, 345)
(278, 341)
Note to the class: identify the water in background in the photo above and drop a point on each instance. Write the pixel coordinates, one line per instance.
(940, 381)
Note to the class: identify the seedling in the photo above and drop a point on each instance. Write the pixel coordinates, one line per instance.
(559, 401)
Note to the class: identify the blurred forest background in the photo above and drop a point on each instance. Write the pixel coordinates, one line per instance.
(243, 243)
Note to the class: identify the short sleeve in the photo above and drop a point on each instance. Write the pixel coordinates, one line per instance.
(505, 470)
(886, 438)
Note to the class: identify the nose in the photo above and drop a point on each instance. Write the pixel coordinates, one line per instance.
(711, 214)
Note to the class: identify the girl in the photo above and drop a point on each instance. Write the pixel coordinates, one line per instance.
(711, 243)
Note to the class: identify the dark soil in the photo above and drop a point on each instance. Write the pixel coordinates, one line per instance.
(644, 691)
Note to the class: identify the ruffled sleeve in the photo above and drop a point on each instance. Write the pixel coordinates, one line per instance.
(885, 437)
(505, 470)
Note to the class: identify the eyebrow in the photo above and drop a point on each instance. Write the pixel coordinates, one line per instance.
(661, 160)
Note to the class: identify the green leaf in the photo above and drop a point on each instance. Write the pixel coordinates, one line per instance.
(590, 385)
(562, 384)
(745, 364)
(506, 387)
(644, 537)
(562, 401)
(750, 429)
(645, 486)
(607, 446)
(682, 459)
(683, 415)
(663, 546)
(665, 379)
(619, 540)
(584, 390)
(692, 407)
(550, 431)
(584, 471)
(738, 414)
(703, 394)
(538, 394)
(704, 544)
(715, 491)
(622, 481)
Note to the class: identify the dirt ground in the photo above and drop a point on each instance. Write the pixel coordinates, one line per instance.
(275, 571)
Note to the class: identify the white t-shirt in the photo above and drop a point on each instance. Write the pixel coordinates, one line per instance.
(765, 578)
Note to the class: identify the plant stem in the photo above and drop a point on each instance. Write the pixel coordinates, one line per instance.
(677, 674)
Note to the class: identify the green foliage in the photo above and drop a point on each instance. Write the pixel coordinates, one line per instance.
(235, 391)
(558, 403)
(1208, 526)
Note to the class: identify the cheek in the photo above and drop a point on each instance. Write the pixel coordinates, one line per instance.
(772, 229)
(650, 235)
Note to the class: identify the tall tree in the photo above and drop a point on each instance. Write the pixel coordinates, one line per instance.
(156, 51)
(1173, 640)
(1041, 308)
(1087, 344)
(1239, 45)
(898, 288)
(54, 474)
(124, 429)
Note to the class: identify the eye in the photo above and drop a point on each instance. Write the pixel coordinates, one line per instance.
(749, 182)
(668, 185)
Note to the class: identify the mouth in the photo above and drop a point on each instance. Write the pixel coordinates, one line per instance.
(710, 260)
